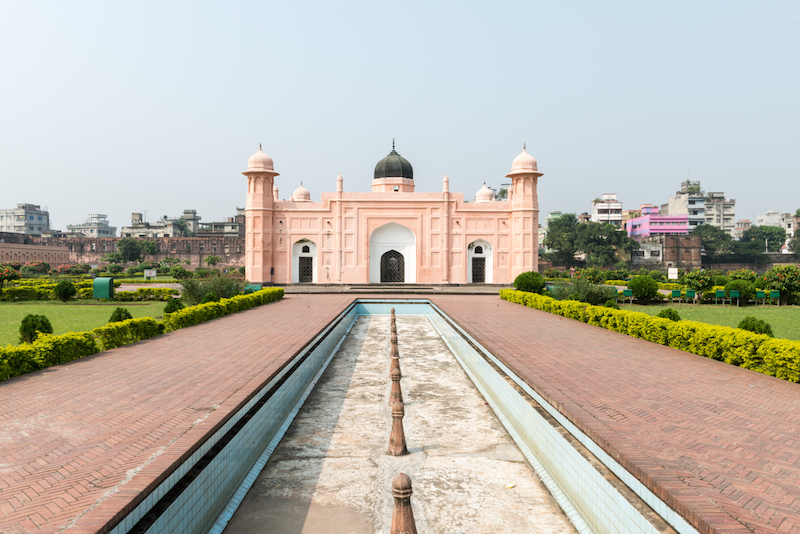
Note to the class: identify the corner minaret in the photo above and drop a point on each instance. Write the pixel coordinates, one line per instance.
(258, 211)
(524, 214)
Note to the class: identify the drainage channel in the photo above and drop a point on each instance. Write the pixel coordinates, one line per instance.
(476, 435)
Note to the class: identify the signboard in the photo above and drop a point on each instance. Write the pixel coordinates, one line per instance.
(672, 273)
(150, 273)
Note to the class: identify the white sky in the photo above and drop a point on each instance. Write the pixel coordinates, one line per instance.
(143, 106)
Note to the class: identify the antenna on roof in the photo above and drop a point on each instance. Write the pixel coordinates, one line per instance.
(687, 172)
(392, 143)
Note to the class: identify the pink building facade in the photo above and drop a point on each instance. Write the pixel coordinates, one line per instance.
(653, 224)
(391, 234)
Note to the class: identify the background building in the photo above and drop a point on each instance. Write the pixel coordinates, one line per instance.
(653, 224)
(721, 211)
(774, 218)
(689, 201)
(607, 209)
(95, 226)
(25, 219)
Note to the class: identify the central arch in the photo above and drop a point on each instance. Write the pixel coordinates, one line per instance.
(398, 239)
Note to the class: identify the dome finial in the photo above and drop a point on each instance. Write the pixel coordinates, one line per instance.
(392, 143)
(259, 146)
(524, 145)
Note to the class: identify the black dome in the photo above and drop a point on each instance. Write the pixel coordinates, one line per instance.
(394, 166)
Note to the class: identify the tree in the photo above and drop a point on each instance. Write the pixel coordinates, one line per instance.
(213, 260)
(794, 243)
(601, 242)
(774, 236)
(716, 242)
(182, 228)
(112, 257)
(797, 213)
(561, 238)
(502, 194)
(133, 249)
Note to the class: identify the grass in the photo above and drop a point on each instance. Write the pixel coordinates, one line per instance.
(68, 317)
(785, 320)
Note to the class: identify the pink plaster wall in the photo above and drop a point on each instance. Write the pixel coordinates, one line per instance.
(342, 222)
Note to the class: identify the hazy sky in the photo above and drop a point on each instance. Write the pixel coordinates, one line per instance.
(154, 106)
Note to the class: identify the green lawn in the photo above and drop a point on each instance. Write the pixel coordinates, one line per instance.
(785, 320)
(72, 317)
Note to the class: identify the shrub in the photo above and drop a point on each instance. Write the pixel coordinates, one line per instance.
(225, 287)
(64, 290)
(173, 305)
(120, 314)
(204, 312)
(33, 325)
(145, 293)
(209, 297)
(785, 278)
(747, 290)
(115, 269)
(742, 274)
(699, 280)
(656, 275)
(611, 303)
(80, 268)
(751, 324)
(241, 269)
(591, 275)
(530, 281)
(644, 289)
(721, 280)
(180, 272)
(39, 267)
(8, 273)
(582, 291)
(669, 313)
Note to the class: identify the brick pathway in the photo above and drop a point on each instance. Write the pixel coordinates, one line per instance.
(79, 442)
(719, 443)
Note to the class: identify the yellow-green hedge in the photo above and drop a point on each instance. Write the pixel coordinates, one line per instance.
(757, 352)
(661, 285)
(211, 310)
(50, 350)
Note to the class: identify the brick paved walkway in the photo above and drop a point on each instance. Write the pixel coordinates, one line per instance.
(719, 443)
(79, 442)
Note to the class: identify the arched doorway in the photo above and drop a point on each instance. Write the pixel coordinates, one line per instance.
(304, 262)
(396, 238)
(393, 267)
(479, 262)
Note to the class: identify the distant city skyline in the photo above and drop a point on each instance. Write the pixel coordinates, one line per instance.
(155, 108)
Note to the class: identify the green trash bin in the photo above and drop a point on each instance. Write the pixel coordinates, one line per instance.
(720, 294)
(676, 294)
(775, 295)
(103, 288)
(251, 289)
(761, 295)
(734, 295)
(690, 294)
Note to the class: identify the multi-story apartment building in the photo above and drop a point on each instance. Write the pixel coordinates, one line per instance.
(95, 226)
(654, 224)
(164, 227)
(773, 218)
(607, 209)
(721, 211)
(741, 226)
(689, 201)
(25, 219)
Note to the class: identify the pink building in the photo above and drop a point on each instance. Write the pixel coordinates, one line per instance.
(391, 234)
(652, 224)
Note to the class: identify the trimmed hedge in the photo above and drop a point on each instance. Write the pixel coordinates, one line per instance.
(211, 310)
(146, 293)
(50, 350)
(758, 352)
